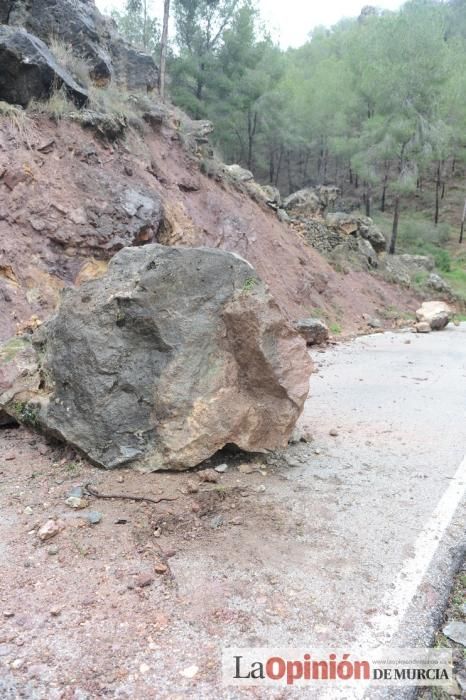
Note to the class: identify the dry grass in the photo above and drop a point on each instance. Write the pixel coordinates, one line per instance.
(17, 122)
(57, 106)
(77, 66)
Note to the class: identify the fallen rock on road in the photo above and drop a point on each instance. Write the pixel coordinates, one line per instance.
(169, 357)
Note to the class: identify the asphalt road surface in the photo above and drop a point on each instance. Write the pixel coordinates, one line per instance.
(349, 541)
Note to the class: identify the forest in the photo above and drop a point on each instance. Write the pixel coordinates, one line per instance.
(375, 104)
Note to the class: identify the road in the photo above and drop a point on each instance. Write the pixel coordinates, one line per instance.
(347, 541)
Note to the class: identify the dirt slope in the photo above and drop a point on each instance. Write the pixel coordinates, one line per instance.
(68, 201)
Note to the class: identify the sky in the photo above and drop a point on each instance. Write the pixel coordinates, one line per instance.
(290, 20)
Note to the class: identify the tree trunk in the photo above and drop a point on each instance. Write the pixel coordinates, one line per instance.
(356, 181)
(437, 195)
(350, 175)
(396, 216)
(368, 199)
(383, 197)
(163, 49)
(462, 222)
(252, 127)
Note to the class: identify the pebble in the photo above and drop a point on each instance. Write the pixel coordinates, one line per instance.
(76, 492)
(55, 612)
(261, 488)
(9, 456)
(189, 672)
(221, 468)
(157, 532)
(192, 487)
(16, 664)
(333, 432)
(76, 502)
(120, 479)
(169, 553)
(144, 668)
(144, 580)
(208, 475)
(216, 521)
(8, 613)
(28, 510)
(93, 517)
(49, 530)
(160, 568)
(52, 550)
(317, 451)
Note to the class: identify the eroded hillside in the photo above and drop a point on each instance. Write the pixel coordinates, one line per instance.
(70, 199)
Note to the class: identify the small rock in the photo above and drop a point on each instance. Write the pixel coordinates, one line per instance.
(93, 517)
(43, 450)
(374, 323)
(120, 479)
(160, 568)
(144, 580)
(422, 327)
(52, 550)
(189, 672)
(76, 492)
(209, 476)
(169, 553)
(16, 664)
(76, 503)
(55, 612)
(9, 456)
(456, 631)
(333, 432)
(157, 532)
(317, 451)
(216, 521)
(144, 668)
(48, 530)
(192, 487)
(221, 468)
(8, 613)
(28, 510)
(261, 488)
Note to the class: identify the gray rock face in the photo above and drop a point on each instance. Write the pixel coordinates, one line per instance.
(313, 330)
(160, 363)
(456, 630)
(5, 6)
(28, 70)
(92, 36)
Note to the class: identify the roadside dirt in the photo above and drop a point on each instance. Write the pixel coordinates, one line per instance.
(92, 611)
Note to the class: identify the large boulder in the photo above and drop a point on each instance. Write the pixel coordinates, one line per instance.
(311, 201)
(28, 70)
(436, 313)
(79, 24)
(171, 355)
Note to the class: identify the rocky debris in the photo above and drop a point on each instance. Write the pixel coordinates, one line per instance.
(93, 37)
(422, 327)
(456, 631)
(310, 201)
(93, 517)
(363, 226)
(76, 502)
(419, 262)
(239, 174)
(171, 355)
(209, 476)
(49, 529)
(403, 269)
(436, 313)
(438, 284)
(313, 330)
(29, 71)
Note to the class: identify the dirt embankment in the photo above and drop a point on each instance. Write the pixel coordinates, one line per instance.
(68, 201)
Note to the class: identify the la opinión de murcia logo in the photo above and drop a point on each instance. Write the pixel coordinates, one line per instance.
(259, 666)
